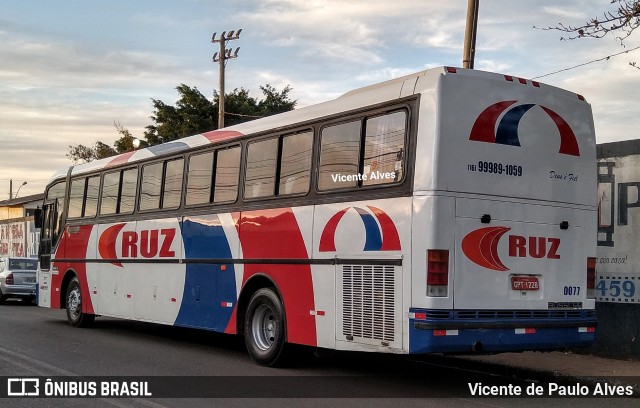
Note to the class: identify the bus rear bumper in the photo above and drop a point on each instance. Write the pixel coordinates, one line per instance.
(454, 336)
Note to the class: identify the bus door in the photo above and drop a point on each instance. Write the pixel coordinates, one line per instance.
(49, 223)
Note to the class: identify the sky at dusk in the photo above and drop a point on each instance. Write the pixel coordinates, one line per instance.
(70, 69)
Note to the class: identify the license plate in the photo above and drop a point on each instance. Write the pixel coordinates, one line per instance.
(30, 280)
(525, 283)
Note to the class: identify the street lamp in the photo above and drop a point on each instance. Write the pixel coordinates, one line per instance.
(24, 183)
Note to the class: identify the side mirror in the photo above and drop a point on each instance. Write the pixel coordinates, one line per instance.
(37, 217)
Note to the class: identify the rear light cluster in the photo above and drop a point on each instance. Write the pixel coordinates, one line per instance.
(437, 272)
(591, 277)
(9, 279)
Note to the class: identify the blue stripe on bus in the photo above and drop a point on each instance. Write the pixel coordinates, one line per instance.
(206, 286)
(372, 230)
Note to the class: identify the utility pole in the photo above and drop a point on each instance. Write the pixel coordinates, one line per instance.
(221, 57)
(469, 52)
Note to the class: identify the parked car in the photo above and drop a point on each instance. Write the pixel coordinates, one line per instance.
(18, 278)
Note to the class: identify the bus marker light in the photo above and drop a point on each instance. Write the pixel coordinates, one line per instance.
(527, 330)
(441, 333)
(586, 329)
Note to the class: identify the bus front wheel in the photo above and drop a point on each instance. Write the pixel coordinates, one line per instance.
(74, 306)
(264, 327)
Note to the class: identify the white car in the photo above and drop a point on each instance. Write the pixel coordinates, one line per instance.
(18, 278)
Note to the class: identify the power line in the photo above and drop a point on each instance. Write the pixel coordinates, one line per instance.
(587, 63)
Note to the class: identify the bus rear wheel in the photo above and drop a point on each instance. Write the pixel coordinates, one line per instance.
(75, 316)
(264, 328)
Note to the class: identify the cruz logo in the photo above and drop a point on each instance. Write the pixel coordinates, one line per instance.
(484, 129)
(481, 247)
(381, 233)
(133, 244)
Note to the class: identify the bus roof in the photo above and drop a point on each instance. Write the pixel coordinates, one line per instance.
(370, 95)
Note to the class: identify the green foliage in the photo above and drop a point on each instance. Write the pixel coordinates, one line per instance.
(193, 113)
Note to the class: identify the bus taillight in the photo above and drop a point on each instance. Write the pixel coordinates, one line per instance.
(591, 278)
(437, 272)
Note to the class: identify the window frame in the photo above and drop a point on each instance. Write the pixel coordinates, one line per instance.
(164, 164)
(117, 212)
(214, 170)
(402, 188)
(363, 119)
(278, 165)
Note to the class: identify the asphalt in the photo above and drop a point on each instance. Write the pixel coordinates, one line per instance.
(566, 366)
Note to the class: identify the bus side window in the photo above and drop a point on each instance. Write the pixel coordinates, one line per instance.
(227, 175)
(339, 156)
(261, 168)
(384, 149)
(199, 178)
(128, 191)
(57, 193)
(91, 197)
(151, 187)
(172, 183)
(119, 192)
(110, 187)
(76, 197)
(295, 163)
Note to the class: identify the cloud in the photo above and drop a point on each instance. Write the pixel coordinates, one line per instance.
(66, 85)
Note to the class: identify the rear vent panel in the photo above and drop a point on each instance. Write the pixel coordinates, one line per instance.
(368, 299)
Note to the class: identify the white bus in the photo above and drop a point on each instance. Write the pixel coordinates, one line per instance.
(447, 211)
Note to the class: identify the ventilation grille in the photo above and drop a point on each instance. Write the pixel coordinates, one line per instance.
(525, 314)
(507, 314)
(368, 301)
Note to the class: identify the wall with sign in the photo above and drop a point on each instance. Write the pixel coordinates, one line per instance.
(19, 237)
(618, 269)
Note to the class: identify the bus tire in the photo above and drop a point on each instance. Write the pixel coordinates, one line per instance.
(264, 328)
(75, 316)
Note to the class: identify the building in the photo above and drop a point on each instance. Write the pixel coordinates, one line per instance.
(18, 234)
(617, 283)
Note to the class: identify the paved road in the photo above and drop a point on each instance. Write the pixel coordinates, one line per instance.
(38, 342)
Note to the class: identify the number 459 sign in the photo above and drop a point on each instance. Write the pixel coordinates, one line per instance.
(623, 289)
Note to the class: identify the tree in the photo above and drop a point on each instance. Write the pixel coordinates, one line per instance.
(125, 143)
(83, 154)
(620, 22)
(193, 113)
(274, 101)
